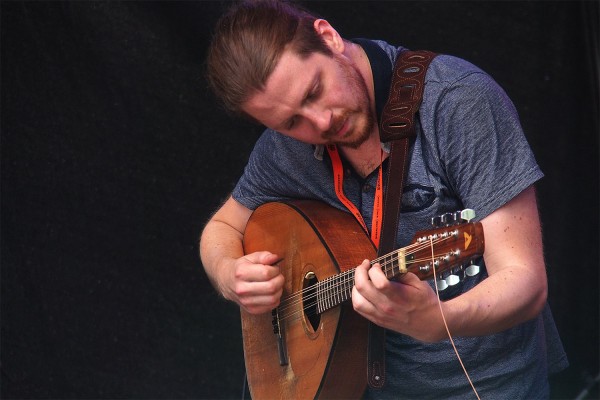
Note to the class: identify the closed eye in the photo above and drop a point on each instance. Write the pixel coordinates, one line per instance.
(314, 93)
(290, 123)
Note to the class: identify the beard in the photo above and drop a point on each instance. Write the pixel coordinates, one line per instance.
(361, 114)
(359, 132)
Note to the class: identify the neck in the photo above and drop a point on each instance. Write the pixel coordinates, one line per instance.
(357, 54)
(367, 157)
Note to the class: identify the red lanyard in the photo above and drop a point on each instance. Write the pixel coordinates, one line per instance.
(338, 181)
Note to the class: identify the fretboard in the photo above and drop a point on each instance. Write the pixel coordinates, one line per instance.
(337, 289)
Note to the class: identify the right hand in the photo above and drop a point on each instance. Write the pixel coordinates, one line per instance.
(255, 283)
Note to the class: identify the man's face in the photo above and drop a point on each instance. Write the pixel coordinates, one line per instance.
(317, 100)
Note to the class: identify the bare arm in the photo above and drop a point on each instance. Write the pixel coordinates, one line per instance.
(514, 292)
(249, 280)
(516, 289)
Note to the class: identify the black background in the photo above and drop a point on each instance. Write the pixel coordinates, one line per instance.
(114, 155)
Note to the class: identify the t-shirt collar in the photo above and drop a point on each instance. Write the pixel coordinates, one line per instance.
(382, 69)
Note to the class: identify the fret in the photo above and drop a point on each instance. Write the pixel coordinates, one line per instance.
(319, 292)
(334, 290)
(327, 295)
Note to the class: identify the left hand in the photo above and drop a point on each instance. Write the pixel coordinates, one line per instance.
(407, 305)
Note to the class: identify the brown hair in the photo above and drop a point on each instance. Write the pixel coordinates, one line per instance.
(248, 42)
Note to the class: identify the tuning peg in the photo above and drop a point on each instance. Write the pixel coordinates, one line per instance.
(452, 280)
(456, 217)
(472, 270)
(467, 214)
(447, 219)
(441, 284)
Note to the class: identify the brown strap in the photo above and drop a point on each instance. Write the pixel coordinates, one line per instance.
(397, 126)
(406, 93)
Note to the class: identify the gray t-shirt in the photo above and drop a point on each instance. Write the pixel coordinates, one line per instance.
(470, 152)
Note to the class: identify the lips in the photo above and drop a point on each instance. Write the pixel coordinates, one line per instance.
(338, 130)
(343, 129)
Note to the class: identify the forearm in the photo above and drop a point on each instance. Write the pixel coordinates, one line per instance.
(220, 246)
(508, 298)
(516, 289)
(250, 280)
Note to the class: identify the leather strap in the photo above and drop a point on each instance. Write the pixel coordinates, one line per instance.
(398, 127)
(406, 93)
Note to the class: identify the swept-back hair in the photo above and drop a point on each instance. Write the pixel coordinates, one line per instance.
(248, 42)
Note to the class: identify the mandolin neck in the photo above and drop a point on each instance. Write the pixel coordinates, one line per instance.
(431, 253)
(337, 289)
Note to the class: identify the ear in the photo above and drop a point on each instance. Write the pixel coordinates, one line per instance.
(331, 37)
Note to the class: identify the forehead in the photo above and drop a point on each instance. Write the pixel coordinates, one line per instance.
(285, 88)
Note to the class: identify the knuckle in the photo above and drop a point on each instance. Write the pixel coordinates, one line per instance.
(381, 285)
(359, 285)
(386, 309)
(271, 288)
(240, 289)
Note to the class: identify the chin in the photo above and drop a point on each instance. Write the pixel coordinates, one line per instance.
(356, 140)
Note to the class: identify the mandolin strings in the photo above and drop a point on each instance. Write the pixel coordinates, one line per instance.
(338, 288)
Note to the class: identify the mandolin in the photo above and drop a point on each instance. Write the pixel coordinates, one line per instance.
(313, 345)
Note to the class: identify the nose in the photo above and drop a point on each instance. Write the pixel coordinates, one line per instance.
(320, 118)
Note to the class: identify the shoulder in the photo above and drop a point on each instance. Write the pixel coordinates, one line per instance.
(453, 78)
(452, 82)
(445, 69)
(449, 69)
(390, 50)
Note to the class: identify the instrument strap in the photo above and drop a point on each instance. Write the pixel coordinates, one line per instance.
(398, 127)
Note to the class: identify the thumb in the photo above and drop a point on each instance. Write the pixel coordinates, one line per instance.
(265, 257)
(408, 279)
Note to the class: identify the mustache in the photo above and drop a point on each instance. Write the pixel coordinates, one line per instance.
(336, 125)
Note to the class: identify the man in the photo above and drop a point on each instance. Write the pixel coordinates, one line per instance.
(295, 74)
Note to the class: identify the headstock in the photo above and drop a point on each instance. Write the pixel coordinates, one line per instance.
(448, 248)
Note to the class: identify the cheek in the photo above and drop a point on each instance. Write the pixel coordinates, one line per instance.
(348, 97)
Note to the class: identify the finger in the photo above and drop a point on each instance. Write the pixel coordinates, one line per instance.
(267, 293)
(268, 258)
(378, 277)
(251, 269)
(258, 273)
(408, 279)
(262, 257)
(365, 288)
(259, 304)
(361, 276)
(360, 303)
(363, 306)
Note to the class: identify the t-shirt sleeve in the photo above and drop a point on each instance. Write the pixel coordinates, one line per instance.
(280, 168)
(482, 147)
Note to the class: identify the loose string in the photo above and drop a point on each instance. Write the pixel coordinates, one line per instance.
(437, 292)
(345, 281)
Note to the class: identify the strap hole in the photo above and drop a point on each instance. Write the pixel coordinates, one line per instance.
(412, 70)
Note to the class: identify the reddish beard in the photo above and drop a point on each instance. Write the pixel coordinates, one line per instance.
(364, 121)
(356, 135)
